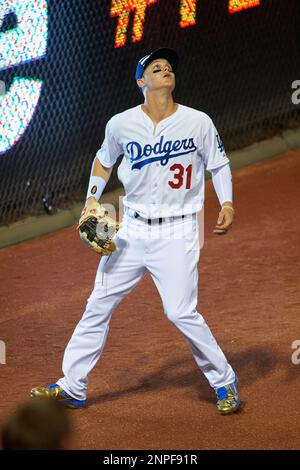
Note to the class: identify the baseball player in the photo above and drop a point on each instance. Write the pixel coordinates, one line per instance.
(166, 147)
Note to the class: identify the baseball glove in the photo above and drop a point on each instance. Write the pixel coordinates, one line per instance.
(97, 229)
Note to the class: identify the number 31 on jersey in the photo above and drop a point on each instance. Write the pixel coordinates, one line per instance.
(181, 176)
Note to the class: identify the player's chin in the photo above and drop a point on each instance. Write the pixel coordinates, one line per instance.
(172, 82)
(168, 86)
(170, 79)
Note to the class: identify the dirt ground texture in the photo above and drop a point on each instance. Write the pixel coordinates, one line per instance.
(146, 391)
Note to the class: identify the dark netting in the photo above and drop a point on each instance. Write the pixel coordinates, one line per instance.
(238, 68)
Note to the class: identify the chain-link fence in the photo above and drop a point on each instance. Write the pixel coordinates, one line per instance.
(238, 68)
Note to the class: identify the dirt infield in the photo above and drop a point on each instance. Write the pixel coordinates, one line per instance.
(146, 391)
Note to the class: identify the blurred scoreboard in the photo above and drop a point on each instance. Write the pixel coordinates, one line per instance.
(67, 66)
(24, 33)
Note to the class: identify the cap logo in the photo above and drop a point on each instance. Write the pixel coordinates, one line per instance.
(143, 60)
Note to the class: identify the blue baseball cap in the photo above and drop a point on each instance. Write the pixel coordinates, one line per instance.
(162, 53)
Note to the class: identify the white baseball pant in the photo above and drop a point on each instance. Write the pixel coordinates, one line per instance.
(170, 252)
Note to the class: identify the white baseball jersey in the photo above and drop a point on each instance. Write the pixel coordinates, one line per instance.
(163, 174)
(162, 169)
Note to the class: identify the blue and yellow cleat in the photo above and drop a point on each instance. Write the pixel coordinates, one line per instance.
(228, 398)
(55, 392)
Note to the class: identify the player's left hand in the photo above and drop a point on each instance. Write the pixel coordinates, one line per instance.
(225, 220)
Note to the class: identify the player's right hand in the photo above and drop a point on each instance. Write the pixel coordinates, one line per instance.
(97, 229)
(89, 205)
